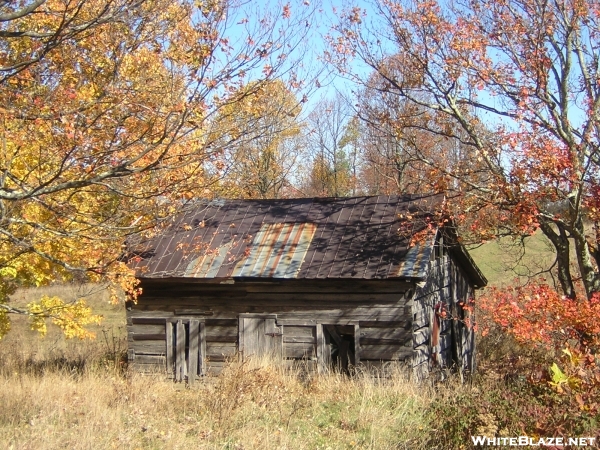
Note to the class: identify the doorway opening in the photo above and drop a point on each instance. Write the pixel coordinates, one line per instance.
(341, 347)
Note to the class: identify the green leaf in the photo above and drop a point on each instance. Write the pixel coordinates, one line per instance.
(558, 377)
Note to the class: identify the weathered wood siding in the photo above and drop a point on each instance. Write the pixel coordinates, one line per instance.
(377, 314)
(442, 342)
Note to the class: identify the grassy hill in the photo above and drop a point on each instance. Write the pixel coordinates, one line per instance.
(505, 261)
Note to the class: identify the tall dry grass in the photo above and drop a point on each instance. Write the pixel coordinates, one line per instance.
(58, 394)
(68, 403)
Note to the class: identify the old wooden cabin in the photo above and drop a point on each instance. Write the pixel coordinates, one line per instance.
(331, 282)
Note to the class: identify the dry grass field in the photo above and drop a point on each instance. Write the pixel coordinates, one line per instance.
(71, 394)
(58, 394)
(246, 408)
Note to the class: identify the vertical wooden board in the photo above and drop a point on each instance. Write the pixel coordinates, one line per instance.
(326, 348)
(472, 357)
(179, 351)
(249, 337)
(202, 356)
(275, 335)
(260, 337)
(241, 348)
(192, 372)
(170, 356)
(321, 366)
(357, 344)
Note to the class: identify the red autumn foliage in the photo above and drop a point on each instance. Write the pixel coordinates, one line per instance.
(538, 315)
(566, 329)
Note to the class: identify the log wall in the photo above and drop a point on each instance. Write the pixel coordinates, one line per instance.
(378, 311)
(442, 342)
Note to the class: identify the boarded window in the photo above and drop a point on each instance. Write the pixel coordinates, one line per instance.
(186, 348)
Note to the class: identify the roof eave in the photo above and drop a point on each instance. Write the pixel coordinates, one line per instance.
(478, 280)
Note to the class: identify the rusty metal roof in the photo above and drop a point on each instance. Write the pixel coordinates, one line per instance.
(309, 238)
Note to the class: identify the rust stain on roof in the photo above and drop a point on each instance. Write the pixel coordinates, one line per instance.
(278, 251)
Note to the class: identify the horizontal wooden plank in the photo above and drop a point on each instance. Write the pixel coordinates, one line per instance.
(266, 297)
(150, 359)
(374, 341)
(386, 323)
(215, 287)
(384, 352)
(299, 339)
(216, 330)
(185, 319)
(222, 338)
(218, 351)
(254, 315)
(219, 333)
(394, 333)
(260, 308)
(147, 328)
(298, 350)
(158, 347)
(148, 337)
(159, 318)
(193, 312)
(299, 331)
(148, 368)
(284, 319)
(334, 286)
(221, 322)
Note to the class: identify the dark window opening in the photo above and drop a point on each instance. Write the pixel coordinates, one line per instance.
(340, 345)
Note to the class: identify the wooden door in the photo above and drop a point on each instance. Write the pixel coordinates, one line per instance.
(186, 349)
(260, 337)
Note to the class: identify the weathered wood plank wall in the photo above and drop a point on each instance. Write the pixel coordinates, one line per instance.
(385, 322)
(455, 344)
(379, 318)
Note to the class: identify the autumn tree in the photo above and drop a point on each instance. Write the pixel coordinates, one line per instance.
(527, 68)
(393, 141)
(329, 173)
(106, 109)
(259, 133)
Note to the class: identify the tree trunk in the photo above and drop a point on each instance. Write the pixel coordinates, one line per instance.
(589, 274)
(560, 241)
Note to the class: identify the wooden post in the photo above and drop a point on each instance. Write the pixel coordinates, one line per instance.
(321, 366)
(192, 371)
(356, 344)
(179, 351)
(170, 358)
(202, 357)
(241, 348)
